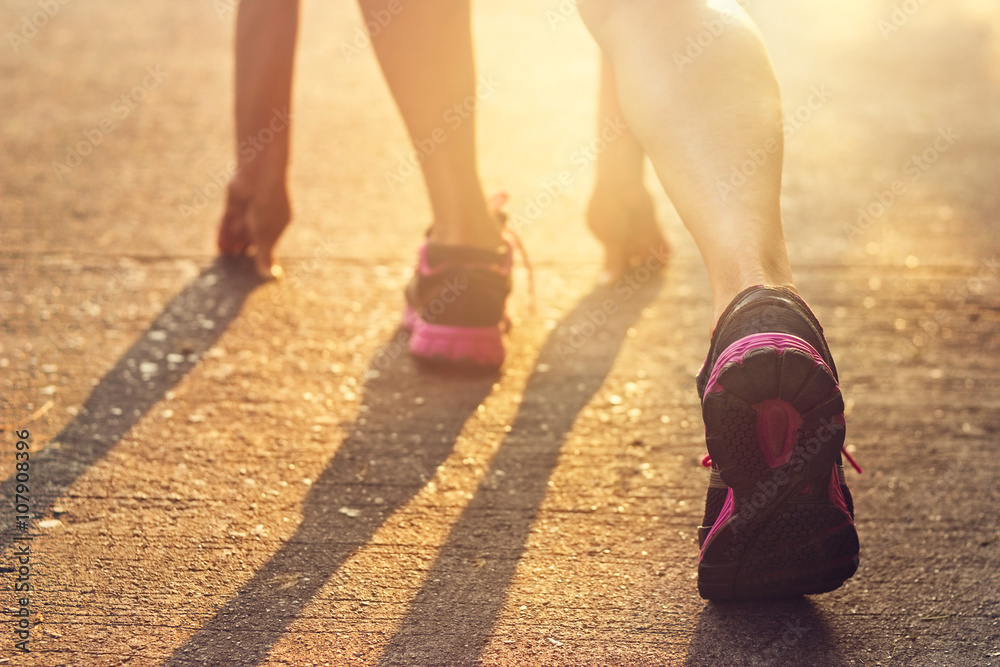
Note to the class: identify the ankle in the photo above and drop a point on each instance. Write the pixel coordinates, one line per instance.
(481, 232)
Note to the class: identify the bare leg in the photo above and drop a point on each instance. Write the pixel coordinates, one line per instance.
(621, 213)
(699, 119)
(257, 209)
(769, 384)
(427, 58)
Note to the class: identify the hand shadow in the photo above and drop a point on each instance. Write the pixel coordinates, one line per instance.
(125, 394)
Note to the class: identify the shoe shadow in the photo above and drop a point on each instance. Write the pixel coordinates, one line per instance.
(452, 618)
(763, 634)
(373, 471)
(124, 395)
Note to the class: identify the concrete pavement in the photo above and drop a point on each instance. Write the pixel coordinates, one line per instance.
(231, 473)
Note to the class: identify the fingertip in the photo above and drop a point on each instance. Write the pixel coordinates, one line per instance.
(230, 244)
(266, 268)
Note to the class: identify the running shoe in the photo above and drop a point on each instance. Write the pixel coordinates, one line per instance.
(456, 304)
(779, 520)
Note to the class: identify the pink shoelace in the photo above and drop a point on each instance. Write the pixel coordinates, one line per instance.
(496, 203)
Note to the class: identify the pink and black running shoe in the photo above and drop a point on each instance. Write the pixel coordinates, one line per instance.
(456, 305)
(779, 520)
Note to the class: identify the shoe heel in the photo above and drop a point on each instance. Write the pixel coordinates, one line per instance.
(772, 410)
(774, 428)
(480, 347)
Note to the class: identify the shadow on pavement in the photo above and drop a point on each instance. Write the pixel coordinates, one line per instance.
(789, 632)
(369, 463)
(124, 394)
(376, 469)
(452, 618)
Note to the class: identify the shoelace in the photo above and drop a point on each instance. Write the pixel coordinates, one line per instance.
(496, 203)
(707, 460)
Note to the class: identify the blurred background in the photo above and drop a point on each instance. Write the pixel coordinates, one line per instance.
(890, 89)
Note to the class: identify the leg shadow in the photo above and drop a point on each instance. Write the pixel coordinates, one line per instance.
(376, 470)
(762, 634)
(452, 618)
(125, 393)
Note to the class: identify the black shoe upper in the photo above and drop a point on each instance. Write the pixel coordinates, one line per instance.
(761, 309)
(465, 287)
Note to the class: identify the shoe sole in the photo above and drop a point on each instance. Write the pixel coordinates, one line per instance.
(475, 347)
(774, 427)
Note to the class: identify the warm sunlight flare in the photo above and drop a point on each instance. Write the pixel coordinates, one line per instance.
(507, 332)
